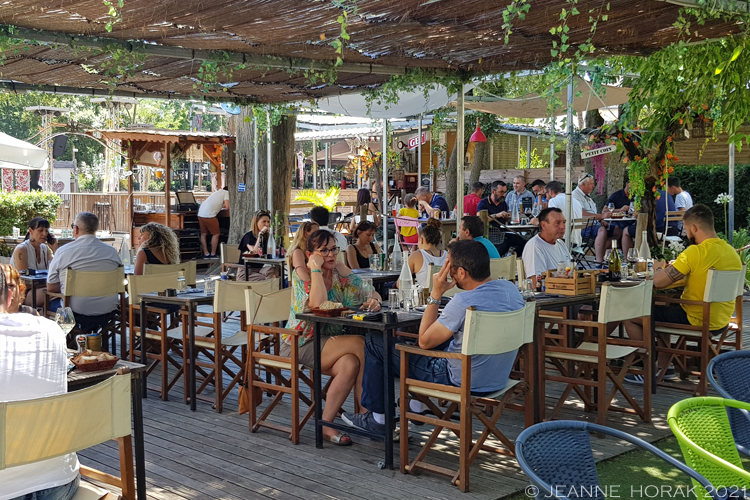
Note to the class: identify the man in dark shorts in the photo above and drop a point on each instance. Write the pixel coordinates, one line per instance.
(209, 223)
(706, 251)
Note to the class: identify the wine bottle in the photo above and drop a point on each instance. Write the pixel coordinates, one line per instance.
(615, 264)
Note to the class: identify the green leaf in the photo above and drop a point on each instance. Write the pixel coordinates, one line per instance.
(574, 11)
(564, 47)
(553, 52)
(737, 52)
(553, 30)
(605, 17)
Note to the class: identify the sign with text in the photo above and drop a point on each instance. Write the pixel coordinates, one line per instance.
(414, 141)
(596, 152)
(241, 187)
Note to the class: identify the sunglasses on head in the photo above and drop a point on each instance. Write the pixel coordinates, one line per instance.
(261, 213)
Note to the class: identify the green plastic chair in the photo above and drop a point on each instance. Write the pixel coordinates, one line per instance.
(702, 428)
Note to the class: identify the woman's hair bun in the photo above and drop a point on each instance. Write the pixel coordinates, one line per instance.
(433, 222)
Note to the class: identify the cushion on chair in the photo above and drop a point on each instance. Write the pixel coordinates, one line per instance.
(612, 352)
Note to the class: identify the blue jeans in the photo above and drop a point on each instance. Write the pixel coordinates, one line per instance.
(64, 492)
(422, 368)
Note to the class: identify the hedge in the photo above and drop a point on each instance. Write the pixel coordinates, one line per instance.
(19, 207)
(706, 182)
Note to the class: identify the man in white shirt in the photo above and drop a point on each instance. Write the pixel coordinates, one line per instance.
(545, 250)
(682, 199)
(556, 199)
(86, 253)
(33, 365)
(209, 222)
(320, 216)
(601, 229)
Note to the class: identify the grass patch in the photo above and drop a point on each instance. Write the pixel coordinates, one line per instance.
(638, 474)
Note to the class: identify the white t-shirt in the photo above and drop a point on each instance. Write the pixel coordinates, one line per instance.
(683, 200)
(33, 365)
(86, 253)
(539, 256)
(212, 205)
(587, 203)
(340, 238)
(577, 213)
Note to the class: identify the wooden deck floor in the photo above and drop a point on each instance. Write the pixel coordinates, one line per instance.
(206, 455)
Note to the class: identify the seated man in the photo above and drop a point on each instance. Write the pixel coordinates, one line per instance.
(600, 230)
(320, 216)
(556, 199)
(707, 251)
(538, 187)
(498, 214)
(472, 228)
(545, 250)
(429, 202)
(471, 200)
(33, 364)
(469, 266)
(86, 253)
(515, 198)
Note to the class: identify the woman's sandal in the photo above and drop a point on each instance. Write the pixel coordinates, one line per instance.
(339, 439)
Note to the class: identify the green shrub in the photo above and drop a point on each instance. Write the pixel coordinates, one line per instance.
(19, 207)
(706, 182)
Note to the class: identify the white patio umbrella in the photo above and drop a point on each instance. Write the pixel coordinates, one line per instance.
(18, 154)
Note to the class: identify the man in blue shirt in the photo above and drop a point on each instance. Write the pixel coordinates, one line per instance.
(472, 228)
(469, 267)
(429, 200)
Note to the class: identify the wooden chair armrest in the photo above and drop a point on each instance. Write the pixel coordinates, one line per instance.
(676, 300)
(407, 335)
(55, 295)
(275, 330)
(678, 326)
(427, 352)
(573, 322)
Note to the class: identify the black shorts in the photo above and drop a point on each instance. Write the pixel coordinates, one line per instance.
(677, 315)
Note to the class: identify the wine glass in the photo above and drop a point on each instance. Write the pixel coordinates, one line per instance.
(632, 255)
(631, 209)
(611, 206)
(537, 210)
(65, 319)
(607, 255)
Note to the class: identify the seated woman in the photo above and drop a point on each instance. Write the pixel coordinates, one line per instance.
(364, 199)
(342, 356)
(358, 253)
(255, 243)
(158, 245)
(409, 234)
(430, 241)
(296, 257)
(35, 252)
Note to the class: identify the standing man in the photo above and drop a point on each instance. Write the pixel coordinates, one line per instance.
(86, 253)
(469, 267)
(472, 228)
(429, 202)
(471, 200)
(519, 193)
(33, 364)
(600, 229)
(209, 222)
(545, 250)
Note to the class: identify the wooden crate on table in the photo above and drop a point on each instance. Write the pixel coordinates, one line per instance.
(581, 283)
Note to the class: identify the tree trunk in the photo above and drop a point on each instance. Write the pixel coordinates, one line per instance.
(481, 161)
(594, 119)
(240, 170)
(451, 179)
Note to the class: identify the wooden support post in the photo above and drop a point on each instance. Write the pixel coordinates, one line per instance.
(167, 185)
(485, 220)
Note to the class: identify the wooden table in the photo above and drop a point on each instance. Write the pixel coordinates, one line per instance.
(80, 380)
(405, 320)
(279, 262)
(189, 300)
(447, 226)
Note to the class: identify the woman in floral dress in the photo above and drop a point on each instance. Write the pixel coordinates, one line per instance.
(342, 356)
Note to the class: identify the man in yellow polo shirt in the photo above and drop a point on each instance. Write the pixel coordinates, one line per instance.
(706, 251)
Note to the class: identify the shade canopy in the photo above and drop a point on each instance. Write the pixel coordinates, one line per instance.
(535, 106)
(18, 154)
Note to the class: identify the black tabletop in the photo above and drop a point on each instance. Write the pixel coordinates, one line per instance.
(77, 377)
(181, 298)
(36, 277)
(405, 319)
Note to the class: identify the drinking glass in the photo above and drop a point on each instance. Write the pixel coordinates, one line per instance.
(394, 302)
(209, 286)
(607, 254)
(374, 262)
(536, 211)
(366, 291)
(631, 209)
(444, 215)
(632, 255)
(65, 319)
(611, 206)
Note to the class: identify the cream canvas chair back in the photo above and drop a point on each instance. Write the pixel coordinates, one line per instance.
(497, 332)
(267, 308)
(147, 284)
(230, 296)
(39, 429)
(432, 270)
(230, 254)
(722, 286)
(94, 283)
(504, 267)
(619, 303)
(741, 281)
(340, 258)
(188, 268)
(520, 270)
